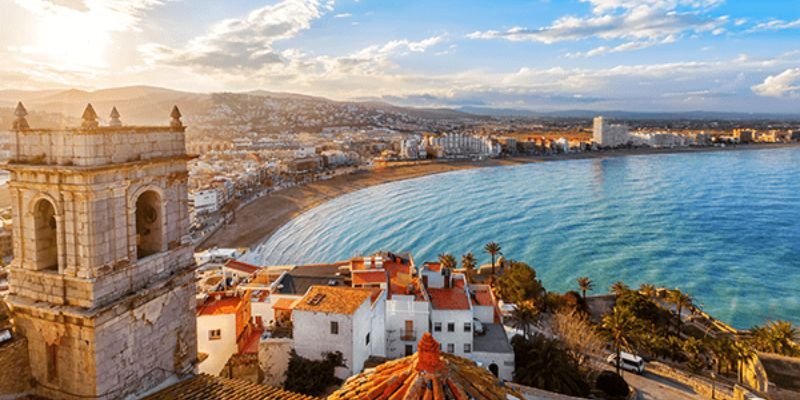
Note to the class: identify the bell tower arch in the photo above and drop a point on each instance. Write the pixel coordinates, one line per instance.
(102, 279)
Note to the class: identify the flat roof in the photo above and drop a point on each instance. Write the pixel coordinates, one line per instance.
(494, 340)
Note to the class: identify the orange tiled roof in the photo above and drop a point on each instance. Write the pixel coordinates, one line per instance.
(226, 305)
(242, 266)
(361, 277)
(333, 299)
(434, 266)
(204, 387)
(428, 375)
(483, 295)
(448, 298)
(283, 304)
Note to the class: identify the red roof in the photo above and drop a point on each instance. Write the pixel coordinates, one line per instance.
(448, 298)
(225, 305)
(242, 267)
(483, 296)
(369, 276)
(283, 304)
(434, 266)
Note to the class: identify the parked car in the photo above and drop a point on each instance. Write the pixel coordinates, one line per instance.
(630, 362)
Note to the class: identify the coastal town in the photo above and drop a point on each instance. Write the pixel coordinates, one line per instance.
(95, 263)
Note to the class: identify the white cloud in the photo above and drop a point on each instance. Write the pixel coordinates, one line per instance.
(641, 23)
(245, 43)
(343, 15)
(776, 25)
(106, 15)
(785, 84)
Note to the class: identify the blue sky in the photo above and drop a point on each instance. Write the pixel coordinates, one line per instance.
(638, 55)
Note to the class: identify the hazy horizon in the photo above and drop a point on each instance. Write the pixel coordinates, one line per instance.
(636, 56)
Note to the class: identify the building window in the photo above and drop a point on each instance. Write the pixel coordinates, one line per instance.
(467, 348)
(46, 239)
(215, 334)
(451, 326)
(368, 338)
(334, 328)
(437, 326)
(467, 326)
(149, 238)
(52, 362)
(409, 350)
(451, 348)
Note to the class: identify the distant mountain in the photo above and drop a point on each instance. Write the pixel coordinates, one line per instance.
(628, 115)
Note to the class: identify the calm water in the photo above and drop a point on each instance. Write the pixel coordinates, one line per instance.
(724, 226)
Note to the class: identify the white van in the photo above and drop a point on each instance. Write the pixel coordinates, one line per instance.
(630, 362)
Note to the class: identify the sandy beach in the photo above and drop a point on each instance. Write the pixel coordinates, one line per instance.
(258, 220)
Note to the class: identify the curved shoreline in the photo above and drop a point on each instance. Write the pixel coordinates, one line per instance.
(258, 221)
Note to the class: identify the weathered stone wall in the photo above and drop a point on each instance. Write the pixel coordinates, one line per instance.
(132, 345)
(15, 372)
(96, 146)
(244, 367)
(273, 359)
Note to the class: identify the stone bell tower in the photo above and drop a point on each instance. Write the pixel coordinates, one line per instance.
(102, 282)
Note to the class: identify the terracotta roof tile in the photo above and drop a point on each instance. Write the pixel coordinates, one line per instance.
(333, 299)
(242, 266)
(448, 298)
(426, 375)
(284, 304)
(206, 387)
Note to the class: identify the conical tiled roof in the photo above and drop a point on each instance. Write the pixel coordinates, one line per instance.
(428, 374)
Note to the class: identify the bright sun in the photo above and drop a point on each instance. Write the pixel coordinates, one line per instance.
(77, 41)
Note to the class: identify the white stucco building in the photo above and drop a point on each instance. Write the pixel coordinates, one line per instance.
(206, 200)
(608, 135)
(459, 145)
(333, 318)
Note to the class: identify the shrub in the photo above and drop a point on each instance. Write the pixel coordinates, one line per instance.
(612, 385)
(313, 377)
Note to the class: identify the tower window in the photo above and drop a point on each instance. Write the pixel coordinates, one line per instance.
(149, 236)
(44, 221)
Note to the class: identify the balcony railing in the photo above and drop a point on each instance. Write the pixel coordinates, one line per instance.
(408, 336)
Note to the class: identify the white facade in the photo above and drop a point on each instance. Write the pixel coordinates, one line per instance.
(453, 329)
(314, 335)
(413, 148)
(216, 336)
(206, 201)
(404, 312)
(455, 145)
(605, 134)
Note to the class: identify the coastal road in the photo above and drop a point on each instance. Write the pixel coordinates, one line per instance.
(654, 387)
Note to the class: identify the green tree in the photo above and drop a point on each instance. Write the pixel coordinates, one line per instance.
(681, 301)
(585, 284)
(648, 290)
(542, 363)
(313, 377)
(519, 284)
(468, 263)
(619, 288)
(778, 337)
(447, 260)
(523, 316)
(619, 325)
(493, 249)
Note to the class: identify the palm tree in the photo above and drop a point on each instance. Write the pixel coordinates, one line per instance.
(585, 284)
(742, 352)
(618, 325)
(522, 317)
(619, 288)
(680, 300)
(448, 261)
(468, 262)
(778, 337)
(648, 290)
(493, 249)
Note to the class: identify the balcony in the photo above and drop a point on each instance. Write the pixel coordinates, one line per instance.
(408, 336)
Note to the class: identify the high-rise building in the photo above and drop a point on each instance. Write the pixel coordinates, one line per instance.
(102, 281)
(608, 135)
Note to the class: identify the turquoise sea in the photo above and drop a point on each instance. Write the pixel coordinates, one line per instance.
(723, 226)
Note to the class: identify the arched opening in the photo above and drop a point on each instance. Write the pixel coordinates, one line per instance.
(46, 240)
(149, 235)
(494, 369)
